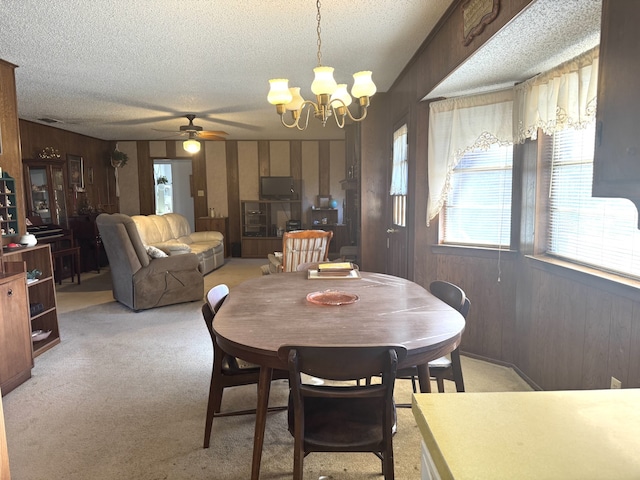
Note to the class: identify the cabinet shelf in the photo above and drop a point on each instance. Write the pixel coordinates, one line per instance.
(42, 291)
(8, 206)
(261, 221)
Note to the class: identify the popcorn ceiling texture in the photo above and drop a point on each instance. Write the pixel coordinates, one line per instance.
(546, 34)
(119, 69)
(129, 69)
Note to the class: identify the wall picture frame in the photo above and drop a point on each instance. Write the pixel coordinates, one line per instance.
(76, 172)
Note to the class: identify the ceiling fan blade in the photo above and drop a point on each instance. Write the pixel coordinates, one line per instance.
(211, 133)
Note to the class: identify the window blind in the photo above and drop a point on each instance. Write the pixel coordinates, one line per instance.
(478, 208)
(599, 232)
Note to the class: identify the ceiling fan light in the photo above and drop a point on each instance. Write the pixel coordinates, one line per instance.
(279, 93)
(323, 81)
(363, 86)
(191, 145)
(296, 99)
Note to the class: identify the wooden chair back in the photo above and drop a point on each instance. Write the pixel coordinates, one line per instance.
(304, 246)
(342, 418)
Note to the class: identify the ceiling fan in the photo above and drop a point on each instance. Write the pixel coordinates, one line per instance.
(196, 131)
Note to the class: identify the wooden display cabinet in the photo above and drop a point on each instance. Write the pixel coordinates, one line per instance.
(41, 291)
(16, 358)
(45, 188)
(261, 222)
(8, 206)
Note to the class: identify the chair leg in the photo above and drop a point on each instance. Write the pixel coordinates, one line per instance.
(413, 384)
(215, 393)
(456, 367)
(440, 382)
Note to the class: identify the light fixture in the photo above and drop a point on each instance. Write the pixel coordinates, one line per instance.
(191, 145)
(332, 98)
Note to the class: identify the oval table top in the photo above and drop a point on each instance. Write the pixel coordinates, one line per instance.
(266, 312)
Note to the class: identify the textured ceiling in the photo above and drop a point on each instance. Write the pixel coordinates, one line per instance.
(546, 34)
(128, 70)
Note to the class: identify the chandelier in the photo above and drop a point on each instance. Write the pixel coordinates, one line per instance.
(332, 98)
(191, 145)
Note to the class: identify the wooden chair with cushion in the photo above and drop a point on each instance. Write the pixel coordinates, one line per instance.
(342, 417)
(227, 371)
(444, 368)
(304, 246)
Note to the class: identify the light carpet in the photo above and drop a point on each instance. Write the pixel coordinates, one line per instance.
(124, 396)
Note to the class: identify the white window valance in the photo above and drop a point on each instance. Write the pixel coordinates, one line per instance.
(461, 125)
(400, 171)
(564, 97)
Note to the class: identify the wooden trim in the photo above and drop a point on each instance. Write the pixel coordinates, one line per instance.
(592, 277)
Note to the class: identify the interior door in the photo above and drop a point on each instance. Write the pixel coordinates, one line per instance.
(397, 238)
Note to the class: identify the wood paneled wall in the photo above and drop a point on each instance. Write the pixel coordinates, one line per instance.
(560, 328)
(101, 193)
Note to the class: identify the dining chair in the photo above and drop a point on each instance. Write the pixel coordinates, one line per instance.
(340, 417)
(443, 368)
(228, 371)
(303, 246)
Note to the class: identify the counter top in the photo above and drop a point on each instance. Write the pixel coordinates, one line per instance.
(585, 434)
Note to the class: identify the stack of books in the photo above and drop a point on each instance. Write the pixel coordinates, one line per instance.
(335, 270)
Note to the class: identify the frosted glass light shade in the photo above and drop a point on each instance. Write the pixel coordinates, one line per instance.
(191, 145)
(341, 94)
(363, 86)
(323, 82)
(279, 93)
(296, 99)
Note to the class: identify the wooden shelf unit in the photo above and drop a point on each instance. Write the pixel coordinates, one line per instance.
(8, 206)
(41, 291)
(16, 358)
(261, 220)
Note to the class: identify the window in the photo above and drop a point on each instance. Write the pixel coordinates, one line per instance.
(399, 176)
(599, 232)
(478, 207)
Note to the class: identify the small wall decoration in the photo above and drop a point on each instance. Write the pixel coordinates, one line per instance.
(76, 172)
(477, 14)
(90, 175)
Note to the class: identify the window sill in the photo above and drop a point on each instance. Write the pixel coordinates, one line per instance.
(471, 251)
(616, 284)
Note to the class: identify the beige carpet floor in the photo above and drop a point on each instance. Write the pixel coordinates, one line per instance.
(124, 397)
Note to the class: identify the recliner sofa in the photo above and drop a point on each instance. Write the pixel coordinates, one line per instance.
(172, 234)
(139, 281)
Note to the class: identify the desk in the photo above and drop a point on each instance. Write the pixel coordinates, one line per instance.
(266, 312)
(582, 434)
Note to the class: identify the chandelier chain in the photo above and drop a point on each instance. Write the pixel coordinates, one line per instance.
(318, 17)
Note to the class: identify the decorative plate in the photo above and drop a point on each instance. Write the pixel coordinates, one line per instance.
(332, 297)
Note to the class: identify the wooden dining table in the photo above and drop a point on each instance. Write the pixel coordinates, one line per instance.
(266, 312)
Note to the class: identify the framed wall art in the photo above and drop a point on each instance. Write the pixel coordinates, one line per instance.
(76, 172)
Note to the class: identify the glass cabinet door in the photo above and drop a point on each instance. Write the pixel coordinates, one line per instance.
(40, 200)
(59, 205)
(47, 193)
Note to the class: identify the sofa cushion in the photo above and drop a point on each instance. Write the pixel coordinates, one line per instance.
(154, 252)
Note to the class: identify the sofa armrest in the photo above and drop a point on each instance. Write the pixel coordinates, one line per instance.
(208, 236)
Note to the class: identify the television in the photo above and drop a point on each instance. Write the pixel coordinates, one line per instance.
(277, 188)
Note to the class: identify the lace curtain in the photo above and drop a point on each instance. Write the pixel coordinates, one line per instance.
(461, 125)
(399, 173)
(564, 97)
